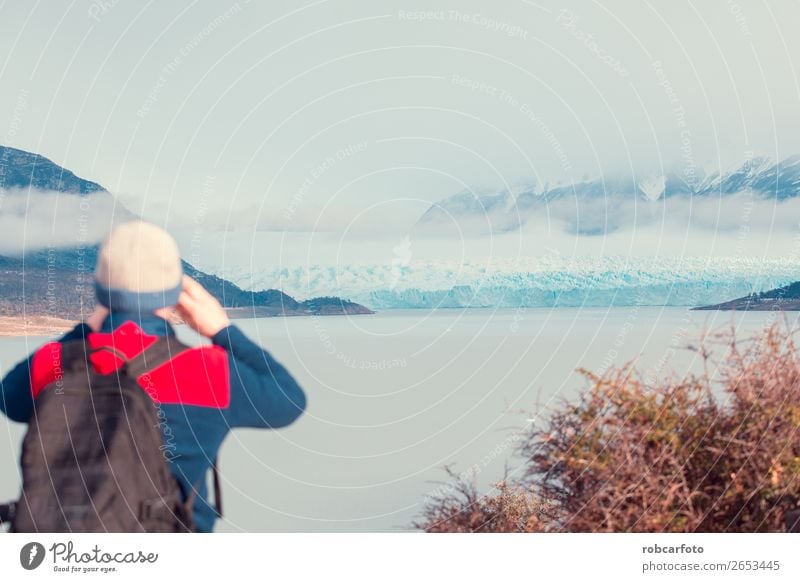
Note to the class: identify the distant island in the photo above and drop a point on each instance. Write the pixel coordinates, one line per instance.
(46, 286)
(783, 299)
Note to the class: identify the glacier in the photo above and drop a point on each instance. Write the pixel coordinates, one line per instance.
(532, 282)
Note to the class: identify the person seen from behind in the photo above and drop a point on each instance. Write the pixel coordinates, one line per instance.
(89, 462)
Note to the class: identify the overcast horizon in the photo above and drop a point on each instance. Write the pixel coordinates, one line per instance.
(306, 116)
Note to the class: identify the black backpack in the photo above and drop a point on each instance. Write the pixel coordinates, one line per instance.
(92, 458)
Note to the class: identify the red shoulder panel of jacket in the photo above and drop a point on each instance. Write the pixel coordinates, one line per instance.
(195, 377)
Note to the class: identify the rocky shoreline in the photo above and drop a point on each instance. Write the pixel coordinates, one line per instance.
(44, 325)
(34, 325)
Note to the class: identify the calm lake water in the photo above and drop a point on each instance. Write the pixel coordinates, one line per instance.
(396, 396)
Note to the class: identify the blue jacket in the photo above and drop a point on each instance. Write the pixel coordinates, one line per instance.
(201, 393)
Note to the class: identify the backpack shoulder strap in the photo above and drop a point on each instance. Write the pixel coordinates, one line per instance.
(217, 489)
(75, 355)
(160, 352)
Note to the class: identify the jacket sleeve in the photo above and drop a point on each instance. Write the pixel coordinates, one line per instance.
(16, 396)
(263, 393)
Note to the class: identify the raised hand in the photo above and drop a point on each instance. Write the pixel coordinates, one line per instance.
(200, 310)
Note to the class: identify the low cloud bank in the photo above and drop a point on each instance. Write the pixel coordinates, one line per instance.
(35, 219)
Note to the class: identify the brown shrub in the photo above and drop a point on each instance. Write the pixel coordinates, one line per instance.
(700, 453)
(758, 460)
(463, 510)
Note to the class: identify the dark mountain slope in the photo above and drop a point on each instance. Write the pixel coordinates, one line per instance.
(58, 282)
(21, 169)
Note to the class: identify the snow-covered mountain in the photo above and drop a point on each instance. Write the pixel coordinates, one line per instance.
(603, 205)
(540, 282)
(669, 241)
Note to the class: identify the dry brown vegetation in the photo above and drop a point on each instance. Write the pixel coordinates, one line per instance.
(713, 452)
(461, 509)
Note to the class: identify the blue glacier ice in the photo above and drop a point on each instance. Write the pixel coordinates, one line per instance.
(539, 282)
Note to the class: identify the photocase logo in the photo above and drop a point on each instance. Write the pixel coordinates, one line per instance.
(31, 555)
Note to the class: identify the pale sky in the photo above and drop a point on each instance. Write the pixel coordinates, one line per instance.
(319, 115)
